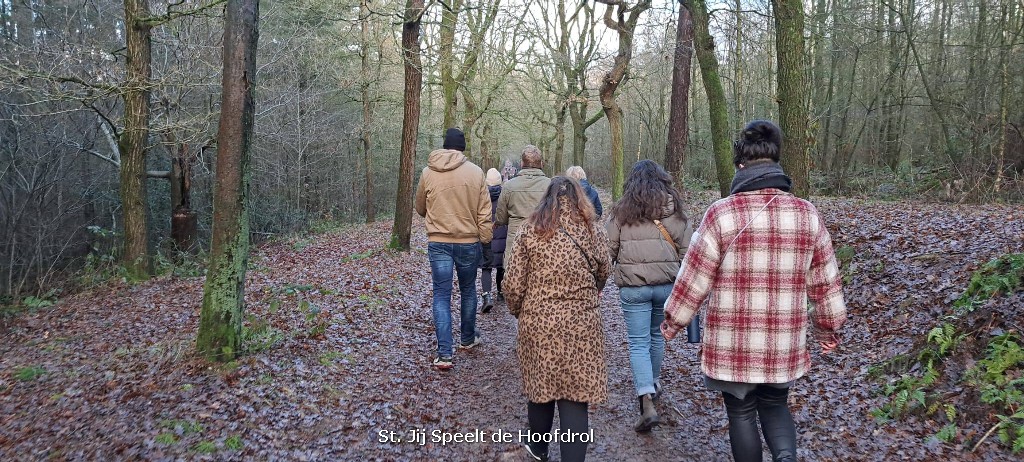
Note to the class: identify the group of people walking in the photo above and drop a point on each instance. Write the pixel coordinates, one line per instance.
(757, 256)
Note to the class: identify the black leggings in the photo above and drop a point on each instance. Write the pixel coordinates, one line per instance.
(572, 417)
(485, 278)
(769, 404)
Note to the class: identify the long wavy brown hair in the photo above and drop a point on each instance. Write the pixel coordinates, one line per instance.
(645, 194)
(545, 218)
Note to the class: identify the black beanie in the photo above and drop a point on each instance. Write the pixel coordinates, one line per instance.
(454, 139)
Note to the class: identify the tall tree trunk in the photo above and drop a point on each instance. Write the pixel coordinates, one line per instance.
(560, 114)
(1004, 77)
(446, 60)
(789, 39)
(737, 70)
(718, 107)
(133, 143)
(220, 323)
(364, 19)
(624, 24)
(679, 112)
(410, 123)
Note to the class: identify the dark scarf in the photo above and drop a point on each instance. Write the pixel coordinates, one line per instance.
(760, 175)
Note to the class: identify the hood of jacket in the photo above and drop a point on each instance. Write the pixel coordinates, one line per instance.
(443, 160)
(495, 192)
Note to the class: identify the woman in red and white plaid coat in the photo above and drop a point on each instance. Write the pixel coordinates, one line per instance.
(758, 255)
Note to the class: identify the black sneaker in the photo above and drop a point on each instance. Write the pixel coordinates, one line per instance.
(443, 363)
(542, 456)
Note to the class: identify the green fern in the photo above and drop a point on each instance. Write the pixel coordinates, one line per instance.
(947, 433)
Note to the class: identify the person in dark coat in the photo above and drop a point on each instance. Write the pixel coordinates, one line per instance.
(494, 253)
(577, 173)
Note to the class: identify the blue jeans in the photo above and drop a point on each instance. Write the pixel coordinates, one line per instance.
(644, 309)
(463, 259)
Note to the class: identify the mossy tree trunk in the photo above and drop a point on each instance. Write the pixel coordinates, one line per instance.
(621, 18)
(679, 103)
(402, 229)
(220, 323)
(717, 105)
(789, 43)
(134, 140)
(446, 60)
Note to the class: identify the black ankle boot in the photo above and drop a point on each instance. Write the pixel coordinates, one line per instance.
(648, 415)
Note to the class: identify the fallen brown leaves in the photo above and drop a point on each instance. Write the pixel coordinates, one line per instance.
(345, 340)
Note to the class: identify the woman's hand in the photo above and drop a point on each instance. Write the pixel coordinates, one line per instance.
(829, 343)
(667, 331)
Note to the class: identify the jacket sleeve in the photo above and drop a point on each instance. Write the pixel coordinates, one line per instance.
(517, 266)
(501, 214)
(421, 196)
(483, 215)
(596, 200)
(613, 239)
(824, 283)
(602, 256)
(696, 276)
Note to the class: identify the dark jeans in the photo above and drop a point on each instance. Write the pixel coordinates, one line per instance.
(769, 405)
(462, 259)
(572, 417)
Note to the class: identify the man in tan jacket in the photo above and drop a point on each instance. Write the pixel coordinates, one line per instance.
(453, 197)
(521, 194)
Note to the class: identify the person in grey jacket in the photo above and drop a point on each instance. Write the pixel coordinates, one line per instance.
(648, 234)
(520, 195)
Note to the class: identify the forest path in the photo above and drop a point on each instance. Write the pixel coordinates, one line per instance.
(342, 341)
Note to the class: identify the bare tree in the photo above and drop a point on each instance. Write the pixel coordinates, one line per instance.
(718, 108)
(220, 322)
(622, 18)
(402, 230)
(678, 119)
(134, 140)
(789, 37)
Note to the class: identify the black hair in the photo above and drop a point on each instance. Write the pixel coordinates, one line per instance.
(760, 139)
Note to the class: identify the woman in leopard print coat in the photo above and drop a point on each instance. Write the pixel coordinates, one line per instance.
(556, 270)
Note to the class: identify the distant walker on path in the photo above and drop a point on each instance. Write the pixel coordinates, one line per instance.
(453, 197)
(521, 194)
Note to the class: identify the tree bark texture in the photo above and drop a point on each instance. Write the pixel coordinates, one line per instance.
(622, 19)
(410, 123)
(133, 143)
(220, 323)
(679, 102)
(789, 44)
(717, 105)
(364, 19)
(446, 60)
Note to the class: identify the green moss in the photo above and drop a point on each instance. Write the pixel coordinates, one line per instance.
(29, 373)
(234, 443)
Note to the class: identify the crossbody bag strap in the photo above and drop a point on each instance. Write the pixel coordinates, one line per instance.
(586, 257)
(666, 235)
(744, 228)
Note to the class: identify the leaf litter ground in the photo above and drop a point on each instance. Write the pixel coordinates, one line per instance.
(341, 341)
